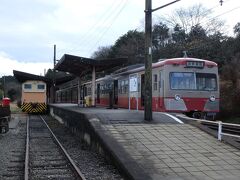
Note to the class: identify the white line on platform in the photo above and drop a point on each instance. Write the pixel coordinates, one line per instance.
(174, 118)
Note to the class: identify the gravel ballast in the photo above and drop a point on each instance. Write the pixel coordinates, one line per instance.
(91, 164)
(12, 152)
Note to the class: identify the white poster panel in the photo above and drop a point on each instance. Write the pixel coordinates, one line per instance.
(133, 85)
(133, 88)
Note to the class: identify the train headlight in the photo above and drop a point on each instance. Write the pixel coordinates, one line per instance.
(177, 97)
(212, 98)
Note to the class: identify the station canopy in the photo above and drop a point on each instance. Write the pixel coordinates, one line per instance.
(80, 66)
(23, 76)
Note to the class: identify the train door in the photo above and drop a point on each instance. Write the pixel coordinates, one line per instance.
(142, 89)
(98, 93)
(83, 91)
(161, 89)
(71, 95)
(115, 92)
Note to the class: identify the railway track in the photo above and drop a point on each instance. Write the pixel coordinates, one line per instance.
(45, 156)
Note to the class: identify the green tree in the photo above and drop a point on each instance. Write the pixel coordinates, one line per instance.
(237, 29)
(12, 94)
(130, 45)
(231, 87)
(179, 36)
(197, 33)
(160, 38)
(1, 94)
(102, 52)
(160, 35)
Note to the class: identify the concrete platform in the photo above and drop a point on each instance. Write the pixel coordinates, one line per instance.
(162, 149)
(112, 116)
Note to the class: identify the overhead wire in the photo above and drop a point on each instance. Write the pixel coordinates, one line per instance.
(89, 36)
(102, 19)
(125, 5)
(208, 10)
(212, 19)
(108, 20)
(110, 25)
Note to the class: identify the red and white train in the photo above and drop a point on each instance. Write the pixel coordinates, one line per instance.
(187, 85)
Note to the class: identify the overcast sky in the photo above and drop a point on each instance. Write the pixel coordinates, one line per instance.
(30, 28)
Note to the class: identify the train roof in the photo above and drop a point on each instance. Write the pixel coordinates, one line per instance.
(127, 68)
(182, 61)
(173, 61)
(140, 67)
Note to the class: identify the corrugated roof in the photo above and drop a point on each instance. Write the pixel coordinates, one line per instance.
(23, 76)
(81, 66)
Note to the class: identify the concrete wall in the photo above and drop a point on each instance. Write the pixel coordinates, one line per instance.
(88, 128)
(80, 125)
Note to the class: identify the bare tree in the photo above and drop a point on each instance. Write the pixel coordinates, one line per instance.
(194, 16)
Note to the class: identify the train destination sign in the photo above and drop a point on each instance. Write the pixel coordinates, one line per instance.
(195, 64)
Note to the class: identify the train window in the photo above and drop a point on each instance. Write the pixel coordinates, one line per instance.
(126, 88)
(121, 87)
(155, 82)
(139, 80)
(206, 82)
(89, 91)
(193, 81)
(160, 80)
(41, 86)
(27, 86)
(182, 80)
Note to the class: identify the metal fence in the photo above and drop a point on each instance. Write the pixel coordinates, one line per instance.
(219, 124)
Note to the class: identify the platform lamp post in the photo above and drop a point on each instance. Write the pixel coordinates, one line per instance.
(148, 58)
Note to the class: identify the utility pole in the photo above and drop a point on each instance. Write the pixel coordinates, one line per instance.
(148, 58)
(148, 62)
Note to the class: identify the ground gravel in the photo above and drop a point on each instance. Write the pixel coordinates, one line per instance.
(12, 150)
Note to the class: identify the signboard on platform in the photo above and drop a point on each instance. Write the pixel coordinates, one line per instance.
(133, 83)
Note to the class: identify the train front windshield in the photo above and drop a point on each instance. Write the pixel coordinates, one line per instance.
(193, 81)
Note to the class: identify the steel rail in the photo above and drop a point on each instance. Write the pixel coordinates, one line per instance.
(76, 169)
(27, 153)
